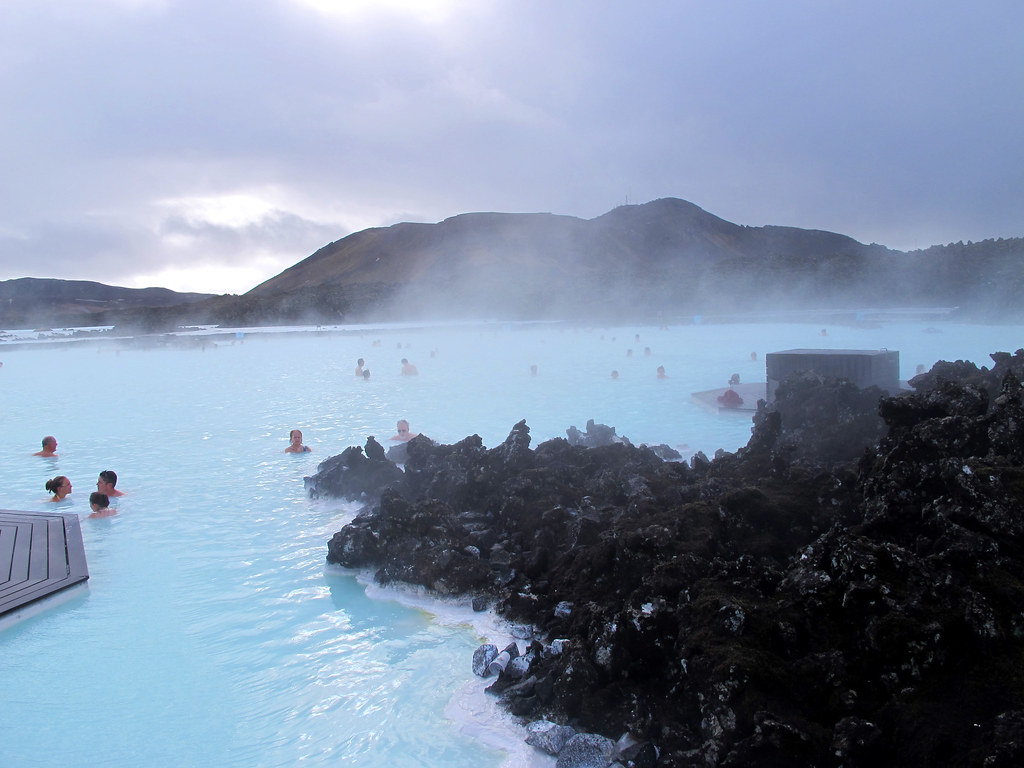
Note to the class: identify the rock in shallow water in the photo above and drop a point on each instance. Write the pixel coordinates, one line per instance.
(482, 658)
(586, 750)
(547, 736)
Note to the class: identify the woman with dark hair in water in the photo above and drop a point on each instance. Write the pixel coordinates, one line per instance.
(100, 504)
(295, 443)
(60, 487)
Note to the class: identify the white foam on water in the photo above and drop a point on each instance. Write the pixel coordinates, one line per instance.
(474, 712)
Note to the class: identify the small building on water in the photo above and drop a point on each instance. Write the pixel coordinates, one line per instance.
(863, 367)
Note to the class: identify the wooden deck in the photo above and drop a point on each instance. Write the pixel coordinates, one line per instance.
(41, 554)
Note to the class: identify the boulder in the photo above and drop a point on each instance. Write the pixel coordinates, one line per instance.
(586, 750)
(352, 475)
(482, 658)
(548, 737)
(595, 435)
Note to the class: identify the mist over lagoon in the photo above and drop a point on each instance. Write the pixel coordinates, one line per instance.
(210, 626)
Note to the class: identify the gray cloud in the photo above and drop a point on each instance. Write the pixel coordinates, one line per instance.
(131, 127)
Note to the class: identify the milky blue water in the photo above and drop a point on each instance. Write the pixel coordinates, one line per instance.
(210, 632)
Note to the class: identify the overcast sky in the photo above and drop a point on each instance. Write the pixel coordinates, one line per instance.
(206, 145)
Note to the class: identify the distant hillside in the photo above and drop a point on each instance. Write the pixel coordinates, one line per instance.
(985, 275)
(30, 302)
(660, 261)
(668, 254)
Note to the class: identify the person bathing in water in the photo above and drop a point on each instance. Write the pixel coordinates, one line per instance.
(106, 482)
(404, 433)
(49, 447)
(60, 487)
(100, 505)
(295, 443)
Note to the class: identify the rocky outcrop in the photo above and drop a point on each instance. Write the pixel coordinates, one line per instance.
(355, 473)
(847, 589)
(594, 436)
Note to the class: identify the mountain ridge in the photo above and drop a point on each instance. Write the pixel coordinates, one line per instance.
(650, 262)
(37, 300)
(668, 253)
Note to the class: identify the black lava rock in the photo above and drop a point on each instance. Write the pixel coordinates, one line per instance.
(847, 589)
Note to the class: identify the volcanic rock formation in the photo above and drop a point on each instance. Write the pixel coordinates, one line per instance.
(847, 589)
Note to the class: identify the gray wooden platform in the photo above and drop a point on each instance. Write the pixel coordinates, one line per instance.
(750, 393)
(41, 554)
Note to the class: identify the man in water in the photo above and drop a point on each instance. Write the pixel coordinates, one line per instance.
(295, 443)
(49, 447)
(408, 369)
(106, 483)
(359, 366)
(404, 433)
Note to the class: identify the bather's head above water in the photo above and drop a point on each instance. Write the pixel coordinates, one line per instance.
(295, 443)
(405, 434)
(59, 486)
(105, 483)
(49, 447)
